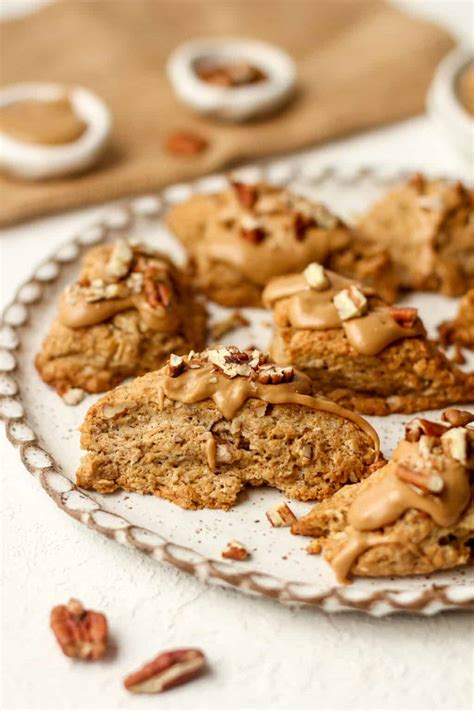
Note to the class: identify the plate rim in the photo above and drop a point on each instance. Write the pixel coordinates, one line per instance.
(427, 600)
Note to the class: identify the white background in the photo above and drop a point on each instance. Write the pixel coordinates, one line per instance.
(261, 655)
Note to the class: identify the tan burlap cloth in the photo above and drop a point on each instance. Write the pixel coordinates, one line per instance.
(360, 62)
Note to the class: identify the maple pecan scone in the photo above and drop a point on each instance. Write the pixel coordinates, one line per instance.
(200, 429)
(428, 228)
(244, 236)
(414, 515)
(129, 309)
(359, 351)
(461, 329)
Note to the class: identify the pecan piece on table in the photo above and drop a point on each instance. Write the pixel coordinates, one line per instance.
(168, 669)
(81, 633)
(185, 144)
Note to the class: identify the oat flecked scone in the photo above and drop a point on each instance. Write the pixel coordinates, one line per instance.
(359, 351)
(415, 515)
(244, 236)
(461, 329)
(200, 429)
(129, 309)
(428, 228)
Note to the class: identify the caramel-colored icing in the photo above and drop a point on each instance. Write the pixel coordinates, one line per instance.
(280, 252)
(47, 123)
(230, 394)
(314, 310)
(82, 313)
(384, 502)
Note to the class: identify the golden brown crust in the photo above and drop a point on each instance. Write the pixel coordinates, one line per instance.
(461, 329)
(216, 231)
(98, 357)
(428, 229)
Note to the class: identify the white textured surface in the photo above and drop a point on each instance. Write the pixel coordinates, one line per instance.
(262, 655)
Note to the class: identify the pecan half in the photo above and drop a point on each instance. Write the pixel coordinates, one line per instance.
(246, 194)
(418, 426)
(185, 144)
(405, 316)
(81, 633)
(235, 551)
(168, 669)
(457, 418)
(157, 293)
(428, 482)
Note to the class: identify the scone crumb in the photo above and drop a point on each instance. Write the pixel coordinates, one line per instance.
(350, 303)
(74, 396)
(235, 551)
(281, 516)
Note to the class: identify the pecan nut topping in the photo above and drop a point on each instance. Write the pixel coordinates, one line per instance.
(405, 316)
(81, 633)
(418, 427)
(426, 481)
(185, 144)
(235, 551)
(457, 418)
(246, 194)
(168, 669)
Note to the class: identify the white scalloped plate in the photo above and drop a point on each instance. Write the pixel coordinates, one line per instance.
(44, 429)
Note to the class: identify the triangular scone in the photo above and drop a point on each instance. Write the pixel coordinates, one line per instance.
(244, 236)
(461, 329)
(129, 309)
(414, 515)
(200, 429)
(359, 351)
(428, 228)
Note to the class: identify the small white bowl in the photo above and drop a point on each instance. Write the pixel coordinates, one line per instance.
(444, 104)
(232, 103)
(35, 161)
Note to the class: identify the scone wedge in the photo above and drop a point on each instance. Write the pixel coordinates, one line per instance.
(358, 350)
(205, 426)
(128, 310)
(415, 515)
(428, 228)
(244, 236)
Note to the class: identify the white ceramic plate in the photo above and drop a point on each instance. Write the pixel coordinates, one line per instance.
(44, 429)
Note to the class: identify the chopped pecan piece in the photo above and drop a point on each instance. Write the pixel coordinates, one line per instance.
(168, 669)
(186, 144)
(281, 516)
(428, 482)
(176, 365)
(350, 303)
(246, 194)
(275, 375)
(316, 276)
(235, 551)
(457, 418)
(302, 224)
(455, 444)
(81, 633)
(405, 316)
(418, 426)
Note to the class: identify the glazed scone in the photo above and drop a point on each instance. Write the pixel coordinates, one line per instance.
(201, 429)
(413, 516)
(241, 238)
(359, 351)
(129, 309)
(461, 329)
(428, 228)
